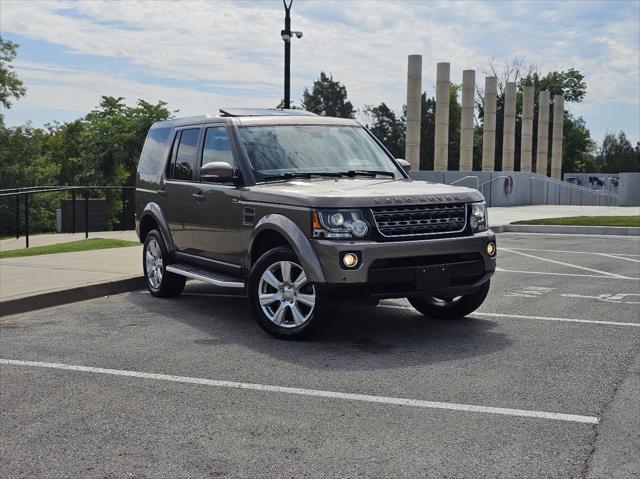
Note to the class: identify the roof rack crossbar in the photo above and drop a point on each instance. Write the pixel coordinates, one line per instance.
(264, 112)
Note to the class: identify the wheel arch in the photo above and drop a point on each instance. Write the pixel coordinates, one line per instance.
(152, 218)
(277, 230)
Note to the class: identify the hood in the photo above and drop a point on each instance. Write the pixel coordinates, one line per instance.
(358, 192)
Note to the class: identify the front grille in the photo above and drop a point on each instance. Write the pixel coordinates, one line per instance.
(420, 220)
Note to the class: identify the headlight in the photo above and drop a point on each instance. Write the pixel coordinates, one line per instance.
(339, 224)
(479, 220)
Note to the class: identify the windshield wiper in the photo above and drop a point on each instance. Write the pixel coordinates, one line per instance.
(368, 173)
(301, 174)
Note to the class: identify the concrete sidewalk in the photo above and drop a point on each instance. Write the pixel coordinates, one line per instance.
(35, 282)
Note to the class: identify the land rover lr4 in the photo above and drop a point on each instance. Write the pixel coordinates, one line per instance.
(304, 212)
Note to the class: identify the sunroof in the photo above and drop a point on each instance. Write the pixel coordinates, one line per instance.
(264, 112)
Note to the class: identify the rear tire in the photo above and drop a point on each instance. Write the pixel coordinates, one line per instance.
(450, 308)
(155, 257)
(284, 303)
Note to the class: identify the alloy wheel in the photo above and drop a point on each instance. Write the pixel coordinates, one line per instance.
(286, 297)
(153, 261)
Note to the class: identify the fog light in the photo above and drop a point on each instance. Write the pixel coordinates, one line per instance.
(491, 248)
(350, 260)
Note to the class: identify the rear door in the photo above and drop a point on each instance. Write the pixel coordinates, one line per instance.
(219, 236)
(181, 188)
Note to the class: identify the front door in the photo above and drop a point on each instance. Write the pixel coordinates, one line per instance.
(180, 203)
(219, 234)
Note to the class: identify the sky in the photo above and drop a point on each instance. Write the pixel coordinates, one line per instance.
(202, 55)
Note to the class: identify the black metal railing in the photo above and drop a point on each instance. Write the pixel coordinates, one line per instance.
(25, 192)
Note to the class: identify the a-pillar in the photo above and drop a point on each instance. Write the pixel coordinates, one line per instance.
(489, 124)
(509, 128)
(441, 153)
(414, 103)
(542, 150)
(466, 122)
(556, 141)
(526, 143)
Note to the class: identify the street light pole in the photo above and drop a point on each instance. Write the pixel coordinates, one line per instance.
(286, 36)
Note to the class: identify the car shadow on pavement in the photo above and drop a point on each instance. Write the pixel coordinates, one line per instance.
(357, 339)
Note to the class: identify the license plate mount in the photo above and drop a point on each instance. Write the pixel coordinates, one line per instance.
(433, 277)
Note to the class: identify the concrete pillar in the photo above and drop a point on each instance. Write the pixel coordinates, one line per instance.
(414, 103)
(543, 133)
(526, 144)
(466, 122)
(509, 127)
(556, 140)
(489, 126)
(441, 153)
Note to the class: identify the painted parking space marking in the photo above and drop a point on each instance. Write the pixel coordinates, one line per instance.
(619, 298)
(570, 265)
(551, 318)
(563, 251)
(530, 292)
(575, 275)
(522, 316)
(394, 401)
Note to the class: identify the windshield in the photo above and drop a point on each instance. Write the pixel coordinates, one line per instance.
(291, 150)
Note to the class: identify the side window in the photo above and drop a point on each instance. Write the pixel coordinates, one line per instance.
(185, 164)
(216, 146)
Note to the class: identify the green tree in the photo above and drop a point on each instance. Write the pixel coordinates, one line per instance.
(577, 146)
(569, 83)
(618, 155)
(328, 97)
(24, 162)
(387, 127)
(10, 85)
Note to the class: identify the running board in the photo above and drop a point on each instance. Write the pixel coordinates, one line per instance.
(205, 276)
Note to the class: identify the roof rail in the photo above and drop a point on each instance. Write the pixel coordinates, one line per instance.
(263, 112)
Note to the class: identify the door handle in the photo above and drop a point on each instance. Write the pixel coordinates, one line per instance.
(199, 196)
(162, 193)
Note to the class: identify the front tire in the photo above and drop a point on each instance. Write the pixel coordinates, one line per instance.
(155, 257)
(283, 301)
(450, 308)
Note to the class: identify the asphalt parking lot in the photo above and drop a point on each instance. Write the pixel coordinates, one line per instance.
(543, 381)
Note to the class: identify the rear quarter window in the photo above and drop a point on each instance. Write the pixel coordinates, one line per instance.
(152, 158)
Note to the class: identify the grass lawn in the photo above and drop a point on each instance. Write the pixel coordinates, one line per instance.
(585, 221)
(82, 245)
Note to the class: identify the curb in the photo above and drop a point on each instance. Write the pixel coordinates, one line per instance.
(558, 229)
(81, 293)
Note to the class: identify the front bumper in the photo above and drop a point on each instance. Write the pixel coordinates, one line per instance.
(399, 266)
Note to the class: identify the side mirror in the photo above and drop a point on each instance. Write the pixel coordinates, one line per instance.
(217, 171)
(406, 166)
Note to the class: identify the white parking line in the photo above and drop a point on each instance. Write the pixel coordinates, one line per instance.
(522, 316)
(607, 255)
(502, 270)
(312, 392)
(550, 318)
(570, 265)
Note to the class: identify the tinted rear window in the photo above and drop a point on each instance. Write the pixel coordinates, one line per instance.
(152, 156)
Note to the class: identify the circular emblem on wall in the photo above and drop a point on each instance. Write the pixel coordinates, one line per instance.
(508, 185)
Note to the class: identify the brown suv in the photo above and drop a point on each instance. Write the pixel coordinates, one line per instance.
(302, 212)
